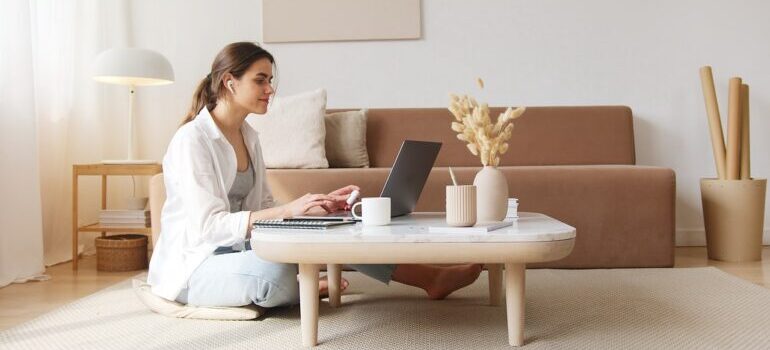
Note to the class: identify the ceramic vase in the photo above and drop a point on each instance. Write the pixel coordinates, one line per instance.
(491, 194)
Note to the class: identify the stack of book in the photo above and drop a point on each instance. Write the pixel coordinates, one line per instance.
(513, 208)
(125, 218)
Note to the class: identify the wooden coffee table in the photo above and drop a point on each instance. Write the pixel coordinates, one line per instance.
(532, 238)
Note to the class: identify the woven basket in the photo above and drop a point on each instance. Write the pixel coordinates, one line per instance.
(121, 253)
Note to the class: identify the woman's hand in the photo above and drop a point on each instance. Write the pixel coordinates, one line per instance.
(307, 203)
(340, 197)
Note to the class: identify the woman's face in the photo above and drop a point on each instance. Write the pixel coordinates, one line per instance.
(254, 88)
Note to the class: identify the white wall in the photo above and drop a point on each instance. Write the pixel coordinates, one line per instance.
(644, 54)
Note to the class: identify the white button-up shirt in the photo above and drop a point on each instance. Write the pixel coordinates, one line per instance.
(199, 169)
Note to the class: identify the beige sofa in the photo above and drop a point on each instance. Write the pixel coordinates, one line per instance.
(576, 164)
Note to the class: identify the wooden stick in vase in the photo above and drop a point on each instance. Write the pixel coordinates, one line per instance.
(734, 130)
(745, 156)
(715, 122)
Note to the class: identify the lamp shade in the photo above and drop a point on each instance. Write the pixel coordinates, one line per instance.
(131, 66)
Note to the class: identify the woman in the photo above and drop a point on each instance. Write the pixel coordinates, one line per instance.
(216, 187)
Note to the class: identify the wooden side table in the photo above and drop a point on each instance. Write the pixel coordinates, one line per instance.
(104, 170)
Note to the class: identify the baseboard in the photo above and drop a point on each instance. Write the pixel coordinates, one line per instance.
(697, 237)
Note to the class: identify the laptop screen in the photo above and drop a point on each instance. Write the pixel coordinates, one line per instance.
(410, 171)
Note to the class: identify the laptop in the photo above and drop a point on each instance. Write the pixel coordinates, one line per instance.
(405, 181)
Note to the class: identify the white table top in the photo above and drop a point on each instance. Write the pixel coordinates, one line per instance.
(413, 228)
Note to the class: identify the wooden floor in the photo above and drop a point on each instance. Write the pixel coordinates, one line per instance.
(22, 302)
(25, 301)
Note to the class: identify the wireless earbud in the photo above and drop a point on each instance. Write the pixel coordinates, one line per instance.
(230, 86)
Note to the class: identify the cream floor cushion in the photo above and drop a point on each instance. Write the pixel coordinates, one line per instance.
(179, 310)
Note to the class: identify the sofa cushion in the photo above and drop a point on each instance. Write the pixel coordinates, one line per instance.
(346, 139)
(292, 134)
(624, 214)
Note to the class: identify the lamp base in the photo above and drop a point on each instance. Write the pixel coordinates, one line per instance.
(129, 161)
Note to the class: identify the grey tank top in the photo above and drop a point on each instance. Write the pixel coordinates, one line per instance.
(244, 182)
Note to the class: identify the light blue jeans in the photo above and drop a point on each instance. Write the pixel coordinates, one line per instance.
(232, 278)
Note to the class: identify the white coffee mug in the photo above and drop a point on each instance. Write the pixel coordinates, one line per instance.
(375, 211)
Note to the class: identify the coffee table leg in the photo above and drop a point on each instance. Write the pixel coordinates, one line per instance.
(514, 299)
(334, 274)
(308, 303)
(495, 284)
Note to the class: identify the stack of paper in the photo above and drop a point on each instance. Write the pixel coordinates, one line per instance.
(479, 227)
(513, 208)
(128, 218)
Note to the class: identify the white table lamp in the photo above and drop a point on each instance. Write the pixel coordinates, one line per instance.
(132, 67)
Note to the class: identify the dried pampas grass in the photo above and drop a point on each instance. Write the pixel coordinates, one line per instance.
(485, 138)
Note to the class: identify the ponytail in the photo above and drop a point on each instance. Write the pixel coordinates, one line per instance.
(201, 98)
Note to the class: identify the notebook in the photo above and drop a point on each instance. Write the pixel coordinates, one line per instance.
(298, 224)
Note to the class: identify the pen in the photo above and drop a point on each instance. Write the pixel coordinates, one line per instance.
(452, 174)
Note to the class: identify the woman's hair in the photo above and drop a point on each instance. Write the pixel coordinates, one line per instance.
(235, 59)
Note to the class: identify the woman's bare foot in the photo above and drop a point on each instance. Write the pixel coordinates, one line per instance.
(437, 281)
(323, 286)
(452, 278)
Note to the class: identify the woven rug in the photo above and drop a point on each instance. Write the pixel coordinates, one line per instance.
(694, 308)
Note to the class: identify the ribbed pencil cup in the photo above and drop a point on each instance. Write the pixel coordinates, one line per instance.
(461, 205)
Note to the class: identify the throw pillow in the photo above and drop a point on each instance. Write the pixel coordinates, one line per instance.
(346, 139)
(179, 310)
(292, 133)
